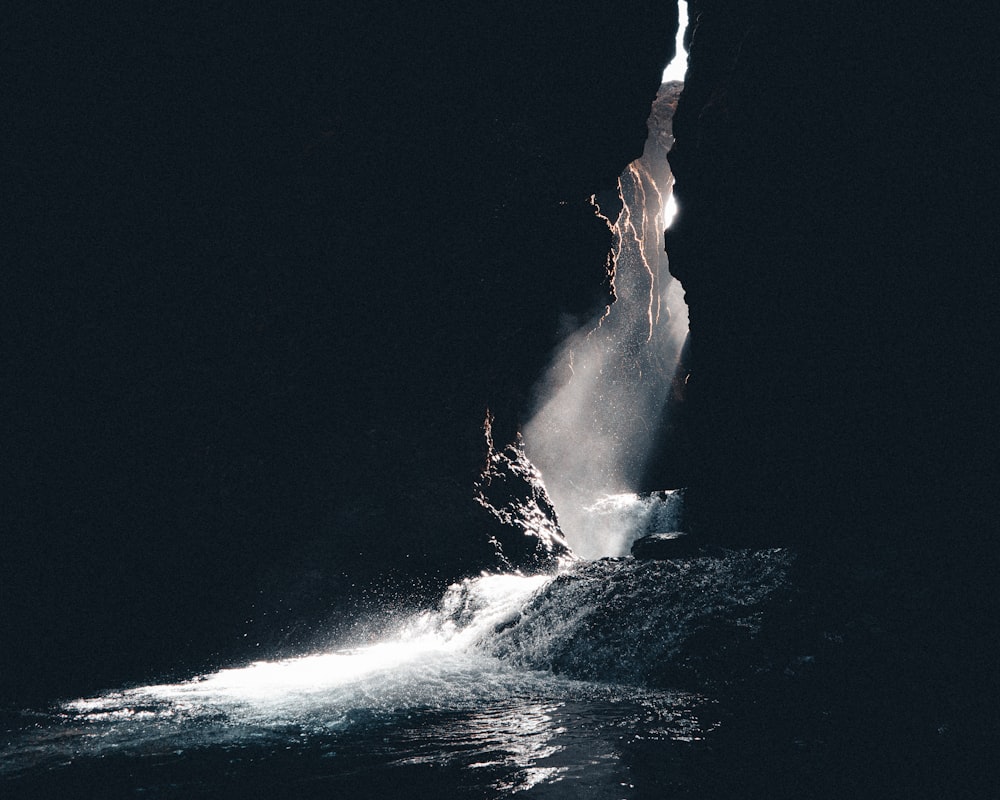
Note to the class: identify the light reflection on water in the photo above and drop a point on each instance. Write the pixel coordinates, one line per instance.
(505, 730)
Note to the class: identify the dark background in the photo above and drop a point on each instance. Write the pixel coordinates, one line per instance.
(264, 273)
(266, 270)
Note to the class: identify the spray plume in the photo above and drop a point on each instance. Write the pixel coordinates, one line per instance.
(591, 434)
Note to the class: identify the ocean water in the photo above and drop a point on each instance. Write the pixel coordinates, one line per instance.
(538, 686)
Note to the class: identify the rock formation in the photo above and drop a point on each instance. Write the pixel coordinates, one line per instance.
(524, 527)
(835, 251)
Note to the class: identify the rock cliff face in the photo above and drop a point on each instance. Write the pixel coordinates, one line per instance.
(833, 170)
(836, 178)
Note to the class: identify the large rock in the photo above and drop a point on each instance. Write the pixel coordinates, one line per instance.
(526, 531)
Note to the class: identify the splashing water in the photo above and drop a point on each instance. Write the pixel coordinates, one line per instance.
(318, 692)
(512, 683)
(623, 518)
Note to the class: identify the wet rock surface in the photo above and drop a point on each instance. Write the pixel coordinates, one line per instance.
(672, 623)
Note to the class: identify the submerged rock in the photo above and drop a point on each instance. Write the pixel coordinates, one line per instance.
(659, 546)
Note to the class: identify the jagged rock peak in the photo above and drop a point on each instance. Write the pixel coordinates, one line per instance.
(510, 488)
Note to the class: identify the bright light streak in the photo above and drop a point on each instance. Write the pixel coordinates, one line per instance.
(669, 210)
(628, 222)
(265, 680)
(675, 69)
